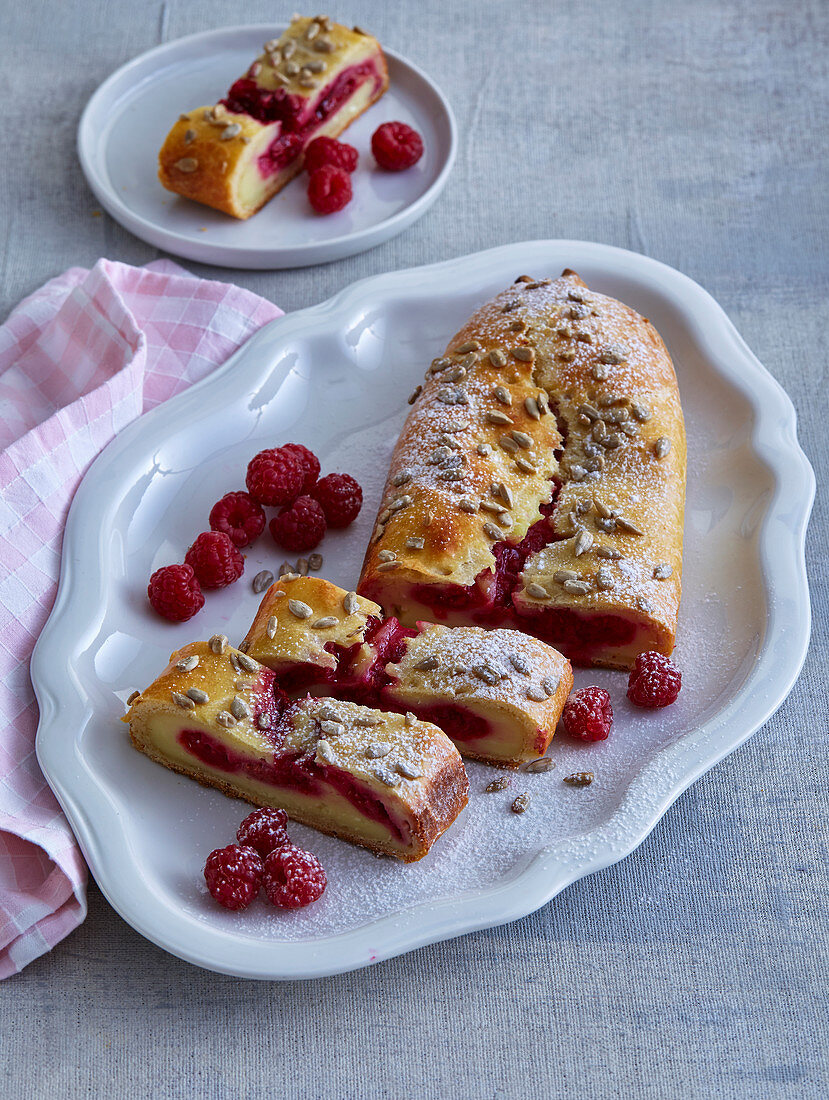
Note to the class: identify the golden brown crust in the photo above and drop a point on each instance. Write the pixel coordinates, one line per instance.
(611, 383)
(208, 150)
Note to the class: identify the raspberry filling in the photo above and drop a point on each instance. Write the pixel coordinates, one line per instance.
(291, 772)
(299, 115)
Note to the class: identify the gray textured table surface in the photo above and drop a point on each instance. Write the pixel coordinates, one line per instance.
(696, 133)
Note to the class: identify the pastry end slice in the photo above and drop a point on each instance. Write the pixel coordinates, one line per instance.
(313, 81)
(388, 782)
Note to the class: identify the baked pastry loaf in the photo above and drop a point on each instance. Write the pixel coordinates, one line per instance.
(386, 781)
(497, 693)
(313, 81)
(539, 479)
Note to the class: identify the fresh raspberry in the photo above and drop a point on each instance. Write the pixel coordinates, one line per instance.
(396, 146)
(275, 476)
(299, 527)
(588, 714)
(293, 878)
(329, 189)
(264, 830)
(175, 593)
(326, 150)
(654, 681)
(215, 560)
(309, 462)
(239, 516)
(233, 875)
(341, 498)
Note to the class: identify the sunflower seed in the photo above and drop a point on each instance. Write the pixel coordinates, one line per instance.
(289, 49)
(243, 646)
(408, 771)
(387, 777)
(189, 135)
(584, 540)
(262, 580)
(413, 543)
(350, 603)
(218, 644)
(184, 118)
(526, 355)
(225, 719)
(399, 503)
(367, 720)
(387, 566)
(324, 623)
(186, 164)
(492, 506)
(522, 439)
(426, 664)
(536, 694)
(499, 784)
(644, 604)
(262, 722)
(239, 708)
(271, 626)
(496, 417)
(497, 358)
(484, 449)
(486, 673)
(467, 505)
(520, 804)
(602, 508)
(562, 575)
(628, 526)
(312, 30)
(577, 588)
(535, 767)
(187, 664)
(470, 345)
(231, 131)
(493, 531)
(524, 466)
(508, 307)
(599, 431)
(537, 591)
(661, 447)
(332, 727)
(324, 45)
(197, 695)
(414, 396)
(613, 353)
(500, 393)
(610, 553)
(387, 555)
(302, 567)
(247, 663)
(410, 719)
(183, 701)
(579, 779)
(662, 571)
(324, 751)
(531, 406)
(299, 609)
(640, 413)
(291, 68)
(599, 372)
(611, 442)
(519, 663)
(133, 695)
(604, 579)
(508, 444)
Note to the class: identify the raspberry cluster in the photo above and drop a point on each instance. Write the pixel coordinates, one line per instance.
(287, 478)
(264, 857)
(330, 163)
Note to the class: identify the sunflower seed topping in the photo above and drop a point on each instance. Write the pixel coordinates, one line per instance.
(502, 394)
(414, 396)
(536, 694)
(189, 135)
(526, 355)
(499, 784)
(522, 439)
(628, 526)
(579, 779)
(387, 566)
(247, 663)
(183, 701)
(483, 449)
(467, 505)
(662, 571)
(577, 588)
(493, 531)
(531, 406)
(544, 764)
(387, 777)
(426, 664)
(415, 543)
(387, 555)
(640, 413)
(262, 580)
(408, 771)
(524, 466)
(350, 603)
(584, 540)
(332, 727)
(661, 447)
(239, 708)
(186, 164)
(133, 695)
(270, 628)
(496, 417)
(537, 591)
(231, 131)
(367, 720)
(470, 345)
(218, 644)
(225, 719)
(521, 803)
(508, 307)
(599, 371)
(486, 673)
(562, 575)
(508, 444)
(497, 358)
(604, 579)
(197, 695)
(324, 623)
(519, 663)
(610, 553)
(187, 664)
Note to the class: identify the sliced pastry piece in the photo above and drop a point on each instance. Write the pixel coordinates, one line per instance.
(497, 693)
(539, 480)
(312, 81)
(389, 782)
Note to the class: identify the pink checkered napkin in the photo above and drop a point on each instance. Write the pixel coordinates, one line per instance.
(79, 359)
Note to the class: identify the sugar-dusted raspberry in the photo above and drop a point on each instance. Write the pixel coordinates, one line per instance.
(341, 498)
(326, 150)
(654, 681)
(275, 477)
(293, 877)
(175, 593)
(233, 875)
(309, 462)
(239, 516)
(299, 527)
(588, 714)
(329, 189)
(396, 146)
(264, 830)
(215, 560)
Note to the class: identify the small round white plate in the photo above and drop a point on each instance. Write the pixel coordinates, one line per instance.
(127, 119)
(336, 377)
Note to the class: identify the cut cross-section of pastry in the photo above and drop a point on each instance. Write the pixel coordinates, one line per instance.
(389, 782)
(539, 481)
(497, 693)
(313, 81)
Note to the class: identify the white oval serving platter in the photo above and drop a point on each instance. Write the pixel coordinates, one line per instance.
(336, 377)
(125, 122)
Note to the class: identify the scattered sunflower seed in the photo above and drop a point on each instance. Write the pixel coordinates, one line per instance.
(536, 694)
(470, 345)
(537, 591)
(197, 695)
(186, 164)
(332, 727)
(247, 663)
(524, 466)
(508, 444)
(350, 603)
(486, 673)
(493, 531)
(410, 719)
(408, 771)
(426, 664)
(132, 697)
(662, 571)
(496, 417)
(521, 803)
(299, 609)
(387, 566)
(387, 777)
(627, 525)
(604, 579)
(525, 355)
(500, 393)
(544, 764)
(262, 580)
(324, 623)
(467, 505)
(271, 626)
(218, 644)
(183, 701)
(239, 708)
(386, 555)
(579, 779)
(640, 413)
(499, 784)
(497, 358)
(367, 720)
(531, 406)
(415, 543)
(584, 540)
(577, 588)
(661, 447)
(414, 395)
(519, 664)
(562, 575)
(225, 719)
(231, 131)
(324, 751)
(187, 664)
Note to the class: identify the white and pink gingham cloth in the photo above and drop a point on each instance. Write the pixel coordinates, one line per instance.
(79, 359)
